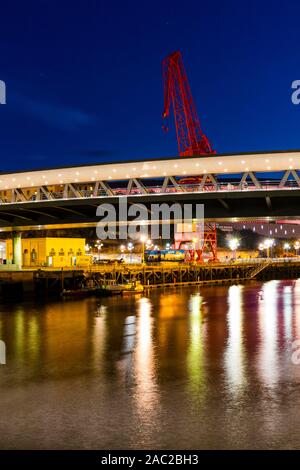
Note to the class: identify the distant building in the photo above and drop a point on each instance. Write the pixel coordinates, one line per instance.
(53, 252)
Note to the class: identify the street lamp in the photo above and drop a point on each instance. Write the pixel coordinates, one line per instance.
(130, 248)
(143, 238)
(268, 245)
(234, 243)
(98, 245)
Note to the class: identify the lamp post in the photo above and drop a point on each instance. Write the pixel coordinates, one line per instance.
(130, 248)
(268, 245)
(98, 245)
(143, 239)
(234, 243)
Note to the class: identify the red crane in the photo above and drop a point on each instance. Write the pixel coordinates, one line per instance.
(191, 139)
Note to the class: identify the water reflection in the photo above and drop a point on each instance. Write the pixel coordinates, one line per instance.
(191, 367)
(268, 329)
(145, 391)
(234, 358)
(195, 354)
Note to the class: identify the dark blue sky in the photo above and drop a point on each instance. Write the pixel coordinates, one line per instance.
(84, 77)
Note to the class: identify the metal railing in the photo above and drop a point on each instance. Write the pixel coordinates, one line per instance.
(228, 187)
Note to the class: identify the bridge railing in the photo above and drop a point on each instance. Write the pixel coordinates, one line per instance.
(76, 191)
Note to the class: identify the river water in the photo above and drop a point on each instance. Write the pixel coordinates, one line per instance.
(198, 367)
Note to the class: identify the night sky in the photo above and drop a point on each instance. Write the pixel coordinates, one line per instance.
(84, 77)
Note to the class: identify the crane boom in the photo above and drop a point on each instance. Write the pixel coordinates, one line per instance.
(191, 140)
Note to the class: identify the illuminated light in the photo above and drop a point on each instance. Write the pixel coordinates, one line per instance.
(225, 170)
(175, 166)
(14, 179)
(114, 170)
(93, 178)
(95, 171)
(220, 163)
(197, 164)
(184, 172)
(286, 246)
(285, 232)
(59, 175)
(77, 173)
(233, 243)
(154, 167)
(268, 243)
(43, 177)
(164, 173)
(61, 181)
(243, 162)
(133, 169)
(247, 169)
(109, 177)
(290, 167)
(261, 226)
(290, 159)
(268, 168)
(76, 180)
(28, 177)
(267, 160)
(127, 176)
(204, 171)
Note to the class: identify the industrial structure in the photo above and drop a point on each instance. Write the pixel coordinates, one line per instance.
(190, 137)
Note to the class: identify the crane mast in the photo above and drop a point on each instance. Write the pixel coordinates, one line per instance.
(177, 92)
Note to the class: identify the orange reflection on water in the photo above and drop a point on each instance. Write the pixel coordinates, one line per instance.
(146, 395)
(195, 354)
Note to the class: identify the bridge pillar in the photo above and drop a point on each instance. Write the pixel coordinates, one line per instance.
(17, 248)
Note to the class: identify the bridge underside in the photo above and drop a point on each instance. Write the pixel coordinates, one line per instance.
(230, 206)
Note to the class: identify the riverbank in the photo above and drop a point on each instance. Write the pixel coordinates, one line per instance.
(16, 284)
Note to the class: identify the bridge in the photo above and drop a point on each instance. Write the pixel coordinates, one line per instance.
(233, 187)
